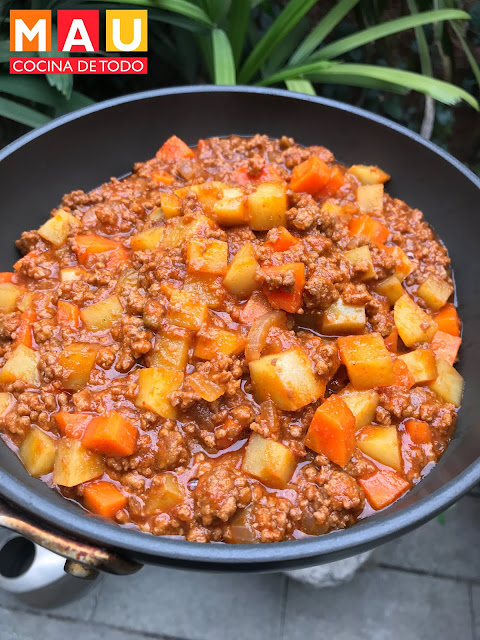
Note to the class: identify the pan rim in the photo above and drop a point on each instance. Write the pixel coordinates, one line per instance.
(366, 533)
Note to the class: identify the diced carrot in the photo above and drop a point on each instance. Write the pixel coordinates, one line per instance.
(445, 346)
(383, 487)
(257, 305)
(448, 320)
(85, 245)
(310, 176)
(243, 176)
(68, 314)
(111, 434)
(287, 299)
(280, 239)
(403, 377)
(24, 331)
(367, 226)
(6, 276)
(334, 184)
(174, 149)
(72, 425)
(332, 431)
(103, 498)
(162, 176)
(418, 431)
(391, 341)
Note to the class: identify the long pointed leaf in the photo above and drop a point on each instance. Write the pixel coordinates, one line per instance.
(321, 31)
(322, 71)
(385, 29)
(20, 113)
(284, 50)
(300, 85)
(471, 60)
(286, 21)
(4, 51)
(223, 63)
(238, 19)
(426, 65)
(32, 88)
(182, 7)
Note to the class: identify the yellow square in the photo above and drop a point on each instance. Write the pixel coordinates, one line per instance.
(126, 30)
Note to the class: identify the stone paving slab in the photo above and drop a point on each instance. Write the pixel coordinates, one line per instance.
(381, 604)
(450, 549)
(197, 606)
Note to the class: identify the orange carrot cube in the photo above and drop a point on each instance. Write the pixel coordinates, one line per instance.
(280, 239)
(418, 431)
(310, 176)
(103, 498)
(72, 425)
(68, 314)
(447, 320)
(332, 431)
(367, 226)
(383, 487)
(288, 299)
(174, 149)
(445, 346)
(111, 434)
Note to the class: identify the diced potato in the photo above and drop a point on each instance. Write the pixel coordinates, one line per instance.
(361, 258)
(38, 453)
(422, 365)
(369, 174)
(7, 400)
(391, 288)
(207, 287)
(382, 444)
(241, 272)
(368, 361)
(78, 360)
(186, 310)
(75, 464)
(102, 315)
(25, 301)
(179, 230)
(128, 278)
(267, 206)
(448, 384)
(171, 205)
(362, 404)
(403, 266)
(9, 296)
(213, 341)
(206, 255)
(370, 198)
(343, 318)
(71, 273)
(164, 494)
(21, 365)
(57, 228)
(231, 210)
(206, 388)
(208, 193)
(156, 215)
(268, 461)
(154, 386)
(413, 324)
(171, 350)
(435, 292)
(344, 212)
(147, 240)
(287, 378)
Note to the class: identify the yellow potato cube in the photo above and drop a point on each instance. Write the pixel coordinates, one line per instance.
(422, 365)
(21, 365)
(413, 324)
(7, 400)
(362, 404)
(75, 464)
(448, 384)
(269, 461)
(213, 341)
(25, 301)
(186, 310)
(361, 258)
(435, 292)
(154, 386)
(382, 444)
(164, 494)
(231, 210)
(78, 360)
(102, 315)
(287, 378)
(57, 228)
(240, 278)
(9, 296)
(369, 174)
(267, 206)
(206, 388)
(71, 273)
(38, 453)
(342, 318)
(370, 198)
(171, 205)
(391, 288)
(171, 350)
(208, 193)
(368, 361)
(147, 240)
(206, 255)
(178, 230)
(207, 287)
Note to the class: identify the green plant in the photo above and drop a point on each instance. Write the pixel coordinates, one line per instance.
(260, 42)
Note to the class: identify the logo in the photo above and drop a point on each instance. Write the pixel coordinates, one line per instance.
(78, 32)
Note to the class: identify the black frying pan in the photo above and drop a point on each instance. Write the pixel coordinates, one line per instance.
(88, 147)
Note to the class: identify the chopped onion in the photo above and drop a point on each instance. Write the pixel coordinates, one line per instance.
(257, 336)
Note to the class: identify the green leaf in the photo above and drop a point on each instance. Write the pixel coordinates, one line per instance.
(284, 50)
(20, 113)
(372, 76)
(385, 29)
(285, 22)
(223, 63)
(4, 51)
(63, 82)
(217, 9)
(471, 60)
(300, 85)
(322, 30)
(182, 7)
(238, 19)
(423, 51)
(32, 88)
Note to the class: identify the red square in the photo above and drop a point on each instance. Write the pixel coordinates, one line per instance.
(77, 30)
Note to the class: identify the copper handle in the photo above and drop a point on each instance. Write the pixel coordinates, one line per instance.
(82, 560)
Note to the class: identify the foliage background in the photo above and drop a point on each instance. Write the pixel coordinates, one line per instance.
(180, 52)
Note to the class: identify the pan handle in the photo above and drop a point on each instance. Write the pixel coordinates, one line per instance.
(82, 560)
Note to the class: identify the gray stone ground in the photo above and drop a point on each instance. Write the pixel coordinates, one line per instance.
(425, 585)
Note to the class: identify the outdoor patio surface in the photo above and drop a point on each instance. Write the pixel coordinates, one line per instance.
(425, 585)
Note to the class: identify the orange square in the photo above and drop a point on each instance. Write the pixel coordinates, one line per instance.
(30, 30)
